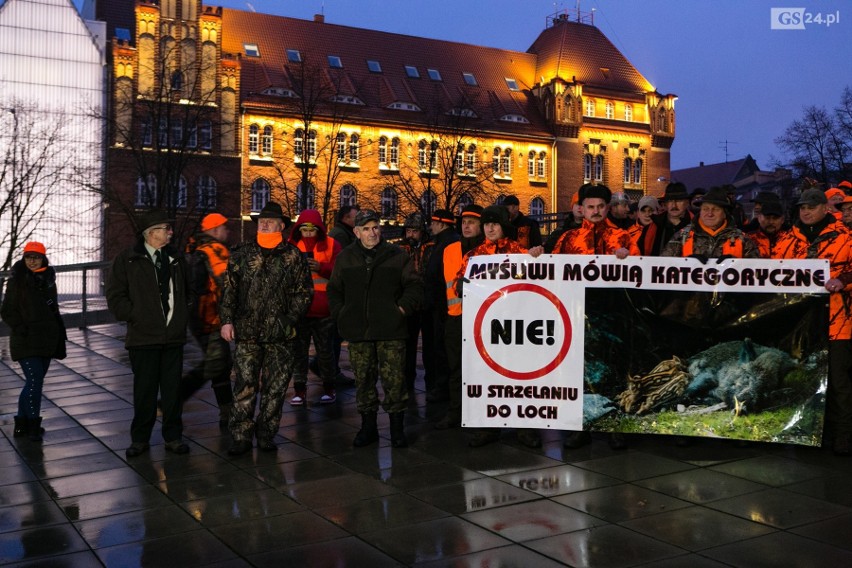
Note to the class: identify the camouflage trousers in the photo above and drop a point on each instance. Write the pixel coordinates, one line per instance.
(263, 367)
(371, 360)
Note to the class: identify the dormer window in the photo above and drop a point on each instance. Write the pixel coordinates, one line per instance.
(434, 74)
(374, 66)
(293, 56)
(251, 50)
(514, 118)
(470, 79)
(404, 106)
(335, 62)
(412, 72)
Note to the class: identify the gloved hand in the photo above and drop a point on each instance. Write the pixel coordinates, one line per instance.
(702, 258)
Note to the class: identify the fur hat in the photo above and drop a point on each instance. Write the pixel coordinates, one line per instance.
(498, 214)
(599, 191)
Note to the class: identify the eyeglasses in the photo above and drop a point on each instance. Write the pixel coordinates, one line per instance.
(32, 257)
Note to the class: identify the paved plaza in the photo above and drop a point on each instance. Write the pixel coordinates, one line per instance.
(76, 501)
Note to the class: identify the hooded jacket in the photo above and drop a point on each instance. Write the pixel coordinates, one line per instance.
(30, 309)
(324, 250)
(207, 260)
(367, 288)
(133, 296)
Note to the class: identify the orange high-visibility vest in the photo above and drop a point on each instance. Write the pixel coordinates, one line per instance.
(321, 256)
(731, 247)
(452, 264)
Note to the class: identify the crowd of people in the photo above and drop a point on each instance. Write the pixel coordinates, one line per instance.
(296, 284)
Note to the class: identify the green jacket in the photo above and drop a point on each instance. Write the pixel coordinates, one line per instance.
(265, 292)
(367, 288)
(133, 296)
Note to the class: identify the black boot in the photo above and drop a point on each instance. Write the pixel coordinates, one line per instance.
(369, 432)
(397, 430)
(22, 426)
(35, 430)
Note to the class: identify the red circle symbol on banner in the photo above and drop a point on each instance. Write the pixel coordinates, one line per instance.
(522, 375)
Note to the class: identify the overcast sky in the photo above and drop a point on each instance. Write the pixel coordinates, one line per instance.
(736, 78)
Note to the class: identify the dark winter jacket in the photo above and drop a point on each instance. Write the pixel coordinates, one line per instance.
(133, 296)
(30, 310)
(265, 292)
(435, 288)
(368, 287)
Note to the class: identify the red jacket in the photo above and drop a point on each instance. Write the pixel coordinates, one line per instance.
(324, 250)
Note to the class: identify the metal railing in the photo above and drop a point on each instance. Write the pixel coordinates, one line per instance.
(81, 293)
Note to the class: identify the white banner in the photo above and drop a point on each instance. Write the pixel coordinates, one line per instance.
(523, 323)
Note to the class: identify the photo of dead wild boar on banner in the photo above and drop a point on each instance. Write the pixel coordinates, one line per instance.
(734, 365)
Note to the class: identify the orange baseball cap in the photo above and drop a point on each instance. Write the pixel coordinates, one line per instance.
(36, 247)
(832, 191)
(212, 221)
(845, 184)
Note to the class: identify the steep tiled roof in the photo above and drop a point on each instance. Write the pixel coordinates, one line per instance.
(355, 46)
(707, 176)
(580, 52)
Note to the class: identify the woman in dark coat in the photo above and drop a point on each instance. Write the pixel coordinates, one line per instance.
(30, 309)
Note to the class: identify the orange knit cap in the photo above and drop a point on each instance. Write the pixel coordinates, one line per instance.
(35, 247)
(212, 221)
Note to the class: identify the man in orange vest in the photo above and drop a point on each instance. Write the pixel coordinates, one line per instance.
(320, 250)
(712, 234)
(817, 234)
(471, 237)
(208, 260)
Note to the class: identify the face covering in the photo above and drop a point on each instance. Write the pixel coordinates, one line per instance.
(269, 240)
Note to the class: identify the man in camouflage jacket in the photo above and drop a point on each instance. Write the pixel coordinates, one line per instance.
(267, 288)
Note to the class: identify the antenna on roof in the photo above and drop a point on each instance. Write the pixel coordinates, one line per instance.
(725, 146)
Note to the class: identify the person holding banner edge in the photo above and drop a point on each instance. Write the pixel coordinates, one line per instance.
(499, 239)
(818, 234)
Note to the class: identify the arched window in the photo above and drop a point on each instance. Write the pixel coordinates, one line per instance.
(628, 169)
(460, 159)
(495, 162)
(206, 193)
(531, 163)
(348, 195)
(587, 168)
(383, 151)
(299, 144)
(266, 141)
(537, 207)
(506, 162)
(259, 194)
(590, 107)
(464, 200)
(540, 166)
(663, 124)
(599, 163)
(628, 112)
(341, 147)
(146, 191)
(637, 171)
(422, 156)
(428, 202)
(253, 142)
(389, 203)
(179, 196)
(354, 148)
(393, 158)
(610, 110)
(471, 160)
(305, 196)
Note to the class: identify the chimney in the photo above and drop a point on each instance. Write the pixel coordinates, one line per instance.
(319, 18)
(700, 164)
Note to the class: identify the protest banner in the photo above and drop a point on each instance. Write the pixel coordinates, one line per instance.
(732, 349)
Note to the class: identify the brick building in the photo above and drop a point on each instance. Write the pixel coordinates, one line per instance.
(225, 109)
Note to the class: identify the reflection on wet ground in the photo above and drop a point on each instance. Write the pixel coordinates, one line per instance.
(75, 500)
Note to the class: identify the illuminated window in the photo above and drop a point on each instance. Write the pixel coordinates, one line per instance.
(590, 107)
(610, 110)
(628, 112)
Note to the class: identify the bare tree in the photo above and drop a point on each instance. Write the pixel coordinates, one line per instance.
(164, 124)
(816, 144)
(39, 168)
